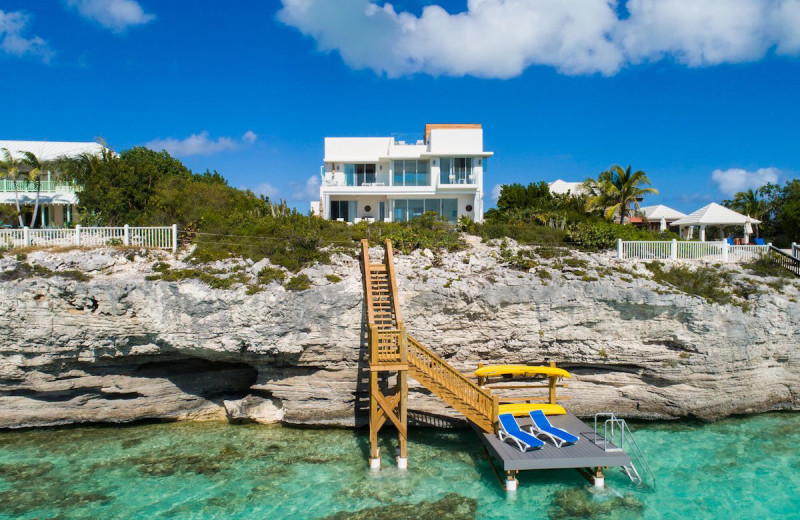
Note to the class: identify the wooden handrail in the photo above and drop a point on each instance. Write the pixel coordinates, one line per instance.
(477, 403)
(367, 277)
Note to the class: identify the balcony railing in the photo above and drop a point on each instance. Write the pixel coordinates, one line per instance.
(45, 186)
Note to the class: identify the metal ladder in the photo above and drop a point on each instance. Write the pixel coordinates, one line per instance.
(615, 428)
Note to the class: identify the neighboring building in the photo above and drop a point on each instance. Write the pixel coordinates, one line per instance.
(57, 199)
(381, 178)
(564, 187)
(659, 217)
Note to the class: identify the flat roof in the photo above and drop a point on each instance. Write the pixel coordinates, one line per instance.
(449, 126)
(583, 454)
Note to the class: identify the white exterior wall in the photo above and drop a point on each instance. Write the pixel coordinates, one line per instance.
(382, 152)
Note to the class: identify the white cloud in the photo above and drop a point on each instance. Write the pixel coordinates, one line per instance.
(310, 191)
(116, 15)
(13, 26)
(734, 180)
(266, 189)
(501, 38)
(496, 192)
(200, 144)
(249, 137)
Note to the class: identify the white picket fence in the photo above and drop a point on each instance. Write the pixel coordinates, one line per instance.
(795, 250)
(675, 250)
(157, 237)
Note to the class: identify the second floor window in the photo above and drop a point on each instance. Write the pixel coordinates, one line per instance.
(411, 173)
(456, 170)
(359, 174)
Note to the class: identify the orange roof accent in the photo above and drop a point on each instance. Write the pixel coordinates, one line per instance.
(431, 126)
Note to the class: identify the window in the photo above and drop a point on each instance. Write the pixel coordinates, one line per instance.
(343, 209)
(359, 174)
(456, 170)
(411, 173)
(405, 210)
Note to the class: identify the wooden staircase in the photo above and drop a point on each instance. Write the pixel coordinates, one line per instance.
(391, 349)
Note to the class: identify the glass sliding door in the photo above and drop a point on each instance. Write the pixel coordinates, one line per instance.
(415, 208)
(450, 210)
(455, 170)
(411, 173)
(349, 174)
(400, 210)
(344, 209)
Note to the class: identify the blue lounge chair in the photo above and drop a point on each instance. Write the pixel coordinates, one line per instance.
(541, 426)
(759, 242)
(729, 241)
(509, 429)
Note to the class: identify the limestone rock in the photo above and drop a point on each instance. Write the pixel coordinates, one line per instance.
(119, 347)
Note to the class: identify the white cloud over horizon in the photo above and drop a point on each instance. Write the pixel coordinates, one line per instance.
(200, 144)
(266, 189)
(734, 180)
(115, 15)
(496, 189)
(309, 191)
(501, 38)
(15, 42)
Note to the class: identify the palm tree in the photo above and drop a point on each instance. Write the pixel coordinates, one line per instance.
(34, 168)
(615, 190)
(750, 203)
(10, 166)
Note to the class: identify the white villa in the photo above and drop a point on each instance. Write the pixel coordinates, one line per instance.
(384, 179)
(57, 199)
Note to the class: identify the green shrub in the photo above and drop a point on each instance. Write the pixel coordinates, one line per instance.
(267, 275)
(764, 267)
(596, 234)
(544, 274)
(24, 270)
(705, 282)
(301, 282)
(333, 278)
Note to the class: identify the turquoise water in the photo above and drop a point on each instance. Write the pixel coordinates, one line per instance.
(737, 468)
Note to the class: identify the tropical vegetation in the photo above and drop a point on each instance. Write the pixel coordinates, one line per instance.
(777, 207)
(615, 191)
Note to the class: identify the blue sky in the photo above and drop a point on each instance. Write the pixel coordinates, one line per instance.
(705, 99)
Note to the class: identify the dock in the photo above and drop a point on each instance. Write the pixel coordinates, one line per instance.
(583, 454)
(393, 351)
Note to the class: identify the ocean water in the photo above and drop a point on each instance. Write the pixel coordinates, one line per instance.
(737, 468)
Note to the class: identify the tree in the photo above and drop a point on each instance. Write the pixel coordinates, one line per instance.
(33, 168)
(10, 167)
(615, 190)
(750, 202)
(788, 213)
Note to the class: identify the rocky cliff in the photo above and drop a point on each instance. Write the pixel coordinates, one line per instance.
(118, 345)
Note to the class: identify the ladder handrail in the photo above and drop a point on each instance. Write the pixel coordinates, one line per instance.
(636, 451)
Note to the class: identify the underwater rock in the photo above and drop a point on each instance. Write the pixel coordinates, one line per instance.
(451, 506)
(581, 503)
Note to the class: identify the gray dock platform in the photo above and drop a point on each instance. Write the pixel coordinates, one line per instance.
(583, 454)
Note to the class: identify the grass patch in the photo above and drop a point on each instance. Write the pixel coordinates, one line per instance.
(24, 270)
(763, 267)
(544, 274)
(705, 282)
(209, 277)
(267, 275)
(333, 278)
(301, 282)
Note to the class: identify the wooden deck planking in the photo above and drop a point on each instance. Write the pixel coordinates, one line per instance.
(582, 454)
